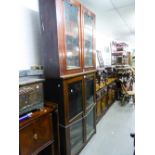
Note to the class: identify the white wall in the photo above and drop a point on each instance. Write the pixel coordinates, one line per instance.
(30, 35)
(103, 44)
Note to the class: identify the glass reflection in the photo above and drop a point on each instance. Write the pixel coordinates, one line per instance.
(75, 98)
(89, 86)
(71, 36)
(90, 124)
(76, 137)
(88, 40)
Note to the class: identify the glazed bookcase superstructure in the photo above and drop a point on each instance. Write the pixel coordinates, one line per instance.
(68, 31)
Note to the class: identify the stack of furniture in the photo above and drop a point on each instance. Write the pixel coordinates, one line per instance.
(70, 69)
(105, 90)
(119, 55)
(125, 74)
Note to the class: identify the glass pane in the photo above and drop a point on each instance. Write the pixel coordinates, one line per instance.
(89, 87)
(88, 40)
(75, 98)
(90, 124)
(76, 137)
(71, 36)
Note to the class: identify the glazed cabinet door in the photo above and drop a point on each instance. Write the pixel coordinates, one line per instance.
(90, 123)
(72, 36)
(73, 98)
(76, 136)
(89, 85)
(88, 39)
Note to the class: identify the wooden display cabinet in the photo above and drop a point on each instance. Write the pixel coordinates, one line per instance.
(104, 99)
(101, 103)
(111, 93)
(106, 90)
(68, 37)
(98, 104)
(75, 97)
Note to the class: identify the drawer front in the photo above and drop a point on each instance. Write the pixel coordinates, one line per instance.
(36, 135)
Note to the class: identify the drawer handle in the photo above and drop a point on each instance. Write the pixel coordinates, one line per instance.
(35, 136)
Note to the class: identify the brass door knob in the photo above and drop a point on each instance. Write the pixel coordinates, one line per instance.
(35, 136)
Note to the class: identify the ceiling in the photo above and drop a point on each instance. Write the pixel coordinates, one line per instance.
(114, 18)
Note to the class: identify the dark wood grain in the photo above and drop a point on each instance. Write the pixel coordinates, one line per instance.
(48, 18)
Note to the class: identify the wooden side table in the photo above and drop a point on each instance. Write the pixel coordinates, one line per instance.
(36, 134)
